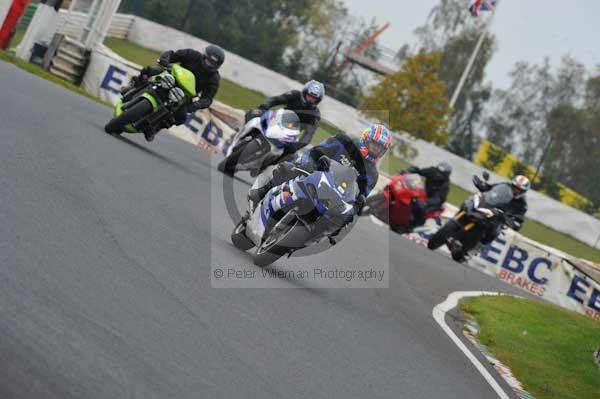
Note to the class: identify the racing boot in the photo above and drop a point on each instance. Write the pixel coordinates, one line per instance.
(257, 194)
(150, 134)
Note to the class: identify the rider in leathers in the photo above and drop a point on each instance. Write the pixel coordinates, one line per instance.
(362, 154)
(205, 68)
(305, 104)
(515, 209)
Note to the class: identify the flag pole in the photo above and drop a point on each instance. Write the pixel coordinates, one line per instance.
(467, 70)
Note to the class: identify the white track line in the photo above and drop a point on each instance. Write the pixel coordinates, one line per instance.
(439, 314)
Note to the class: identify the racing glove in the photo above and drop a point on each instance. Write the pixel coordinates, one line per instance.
(165, 58)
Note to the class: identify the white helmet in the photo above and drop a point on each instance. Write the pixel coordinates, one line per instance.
(520, 185)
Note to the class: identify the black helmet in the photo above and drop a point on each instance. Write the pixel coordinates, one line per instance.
(314, 89)
(445, 168)
(213, 58)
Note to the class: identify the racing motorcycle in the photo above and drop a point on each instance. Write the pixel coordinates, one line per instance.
(394, 204)
(150, 107)
(313, 206)
(261, 142)
(479, 213)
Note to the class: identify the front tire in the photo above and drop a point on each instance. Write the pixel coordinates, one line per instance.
(133, 114)
(283, 239)
(240, 154)
(239, 239)
(441, 236)
(373, 204)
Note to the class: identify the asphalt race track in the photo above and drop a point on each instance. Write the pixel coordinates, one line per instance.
(106, 247)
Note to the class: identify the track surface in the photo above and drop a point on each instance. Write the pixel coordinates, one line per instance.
(105, 285)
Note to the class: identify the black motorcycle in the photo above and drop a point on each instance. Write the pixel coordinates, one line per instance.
(480, 216)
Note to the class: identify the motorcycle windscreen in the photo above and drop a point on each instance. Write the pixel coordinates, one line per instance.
(340, 191)
(413, 182)
(284, 126)
(498, 196)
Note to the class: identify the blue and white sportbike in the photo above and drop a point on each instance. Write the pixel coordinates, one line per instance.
(261, 142)
(298, 213)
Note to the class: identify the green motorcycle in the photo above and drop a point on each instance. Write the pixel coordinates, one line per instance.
(150, 107)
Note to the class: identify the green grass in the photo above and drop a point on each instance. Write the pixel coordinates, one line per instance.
(548, 349)
(134, 53)
(36, 70)
(17, 38)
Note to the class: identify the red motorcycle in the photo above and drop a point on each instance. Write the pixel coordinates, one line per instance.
(394, 205)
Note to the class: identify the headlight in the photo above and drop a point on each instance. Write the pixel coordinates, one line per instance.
(167, 82)
(176, 95)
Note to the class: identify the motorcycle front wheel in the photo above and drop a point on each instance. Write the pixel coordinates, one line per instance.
(239, 238)
(242, 153)
(373, 204)
(441, 236)
(131, 115)
(286, 236)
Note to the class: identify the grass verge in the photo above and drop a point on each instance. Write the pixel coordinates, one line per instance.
(549, 349)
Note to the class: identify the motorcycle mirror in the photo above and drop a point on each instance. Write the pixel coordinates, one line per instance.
(486, 175)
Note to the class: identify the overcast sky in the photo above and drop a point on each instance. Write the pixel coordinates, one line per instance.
(525, 29)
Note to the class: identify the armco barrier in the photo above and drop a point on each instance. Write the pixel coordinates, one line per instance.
(249, 74)
(542, 271)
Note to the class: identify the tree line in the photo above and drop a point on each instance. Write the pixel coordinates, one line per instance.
(301, 39)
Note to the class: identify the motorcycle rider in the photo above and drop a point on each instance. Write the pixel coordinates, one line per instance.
(437, 186)
(304, 103)
(362, 154)
(205, 67)
(515, 209)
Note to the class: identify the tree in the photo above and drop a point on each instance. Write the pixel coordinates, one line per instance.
(299, 38)
(517, 116)
(550, 120)
(258, 30)
(415, 98)
(323, 43)
(464, 125)
(452, 31)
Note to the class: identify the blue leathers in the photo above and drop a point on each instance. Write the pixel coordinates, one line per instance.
(346, 151)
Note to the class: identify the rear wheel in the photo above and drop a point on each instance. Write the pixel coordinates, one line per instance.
(133, 114)
(441, 236)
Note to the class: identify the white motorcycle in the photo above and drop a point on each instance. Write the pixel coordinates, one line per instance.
(261, 142)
